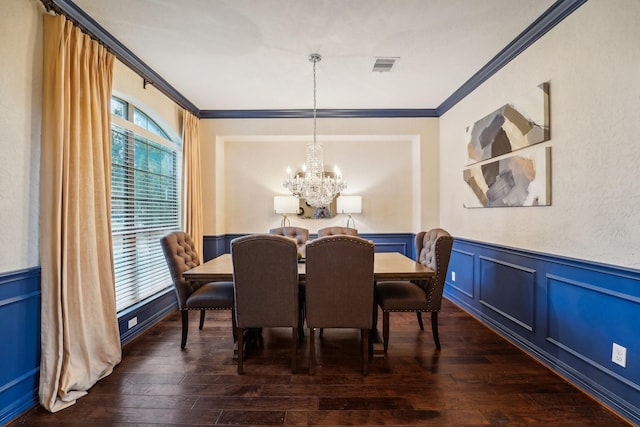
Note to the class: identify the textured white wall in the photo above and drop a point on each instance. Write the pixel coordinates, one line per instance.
(592, 61)
(20, 105)
(244, 162)
(20, 121)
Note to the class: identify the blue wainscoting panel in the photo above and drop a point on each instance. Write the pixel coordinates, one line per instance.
(20, 338)
(462, 266)
(514, 300)
(214, 246)
(20, 297)
(565, 312)
(146, 314)
(575, 324)
(400, 242)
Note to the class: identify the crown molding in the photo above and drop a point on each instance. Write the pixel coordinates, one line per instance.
(322, 113)
(96, 31)
(552, 17)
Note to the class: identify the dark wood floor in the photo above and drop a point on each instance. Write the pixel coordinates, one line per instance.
(476, 379)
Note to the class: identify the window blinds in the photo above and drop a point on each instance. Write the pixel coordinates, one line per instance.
(144, 207)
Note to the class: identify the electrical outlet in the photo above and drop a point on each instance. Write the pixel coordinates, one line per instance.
(133, 322)
(453, 276)
(619, 355)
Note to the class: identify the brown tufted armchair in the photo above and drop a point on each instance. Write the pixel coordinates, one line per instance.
(337, 230)
(433, 249)
(301, 235)
(339, 288)
(181, 256)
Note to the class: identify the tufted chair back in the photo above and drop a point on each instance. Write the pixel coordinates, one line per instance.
(181, 256)
(336, 231)
(301, 235)
(433, 250)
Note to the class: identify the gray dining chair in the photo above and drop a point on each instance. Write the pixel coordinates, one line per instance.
(336, 230)
(339, 289)
(265, 273)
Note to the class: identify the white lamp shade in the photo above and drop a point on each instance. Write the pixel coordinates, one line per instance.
(349, 204)
(285, 204)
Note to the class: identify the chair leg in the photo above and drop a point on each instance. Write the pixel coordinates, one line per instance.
(419, 314)
(321, 333)
(202, 318)
(434, 328)
(294, 346)
(385, 329)
(240, 334)
(185, 328)
(301, 313)
(233, 325)
(301, 322)
(312, 351)
(365, 351)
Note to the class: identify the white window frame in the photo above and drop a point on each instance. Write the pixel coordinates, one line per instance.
(139, 213)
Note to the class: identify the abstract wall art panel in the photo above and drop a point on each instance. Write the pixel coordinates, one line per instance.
(522, 179)
(519, 124)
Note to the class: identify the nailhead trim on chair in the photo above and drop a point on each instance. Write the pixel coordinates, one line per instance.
(359, 240)
(439, 271)
(181, 256)
(429, 291)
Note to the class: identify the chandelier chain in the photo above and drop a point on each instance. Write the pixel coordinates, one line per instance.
(314, 59)
(317, 187)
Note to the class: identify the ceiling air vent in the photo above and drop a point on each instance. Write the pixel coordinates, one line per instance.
(384, 65)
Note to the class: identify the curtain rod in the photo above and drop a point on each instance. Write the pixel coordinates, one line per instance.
(51, 6)
(94, 30)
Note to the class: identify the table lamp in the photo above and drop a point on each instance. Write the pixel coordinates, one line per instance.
(284, 205)
(348, 205)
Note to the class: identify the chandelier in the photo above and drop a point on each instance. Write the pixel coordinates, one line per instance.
(317, 187)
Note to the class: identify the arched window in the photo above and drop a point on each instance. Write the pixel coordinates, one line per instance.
(145, 202)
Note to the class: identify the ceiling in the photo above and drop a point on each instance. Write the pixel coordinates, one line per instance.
(253, 54)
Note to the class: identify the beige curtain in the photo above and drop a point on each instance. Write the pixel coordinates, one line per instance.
(191, 181)
(79, 327)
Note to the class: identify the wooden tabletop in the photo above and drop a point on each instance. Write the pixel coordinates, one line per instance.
(387, 266)
(395, 266)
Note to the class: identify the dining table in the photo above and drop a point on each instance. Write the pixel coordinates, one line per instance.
(386, 266)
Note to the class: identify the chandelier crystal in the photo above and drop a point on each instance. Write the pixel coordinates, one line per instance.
(317, 187)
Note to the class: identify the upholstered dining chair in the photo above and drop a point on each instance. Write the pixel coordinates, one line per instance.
(433, 249)
(265, 273)
(301, 235)
(339, 289)
(336, 231)
(181, 256)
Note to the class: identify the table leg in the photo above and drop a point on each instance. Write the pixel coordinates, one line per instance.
(252, 339)
(376, 345)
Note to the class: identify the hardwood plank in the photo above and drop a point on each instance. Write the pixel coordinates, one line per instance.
(476, 379)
